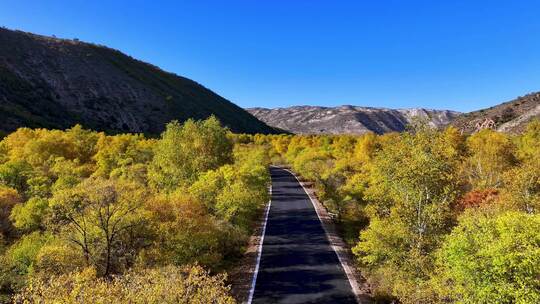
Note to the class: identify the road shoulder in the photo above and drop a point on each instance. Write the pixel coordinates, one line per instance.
(241, 276)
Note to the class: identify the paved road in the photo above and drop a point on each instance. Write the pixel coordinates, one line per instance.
(298, 265)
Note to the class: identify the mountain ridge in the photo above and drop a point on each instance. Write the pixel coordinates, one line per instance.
(56, 83)
(348, 119)
(510, 116)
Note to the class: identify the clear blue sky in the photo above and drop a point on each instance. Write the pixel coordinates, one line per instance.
(460, 55)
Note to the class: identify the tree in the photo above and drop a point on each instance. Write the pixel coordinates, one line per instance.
(529, 142)
(186, 233)
(491, 259)
(343, 146)
(30, 215)
(56, 258)
(491, 154)
(185, 151)
(105, 219)
(9, 198)
(22, 254)
(238, 204)
(366, 147)
(412, 185)
(15, 174)
(120, 151)
(521, 189)
(168, 285)
(37, 147)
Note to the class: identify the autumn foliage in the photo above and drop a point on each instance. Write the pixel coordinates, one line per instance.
(433, 216)
(119, 218)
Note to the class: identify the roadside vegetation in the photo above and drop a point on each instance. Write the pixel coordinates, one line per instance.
(431, 216)
(91, 218)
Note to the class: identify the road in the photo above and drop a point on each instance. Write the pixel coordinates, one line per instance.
(298, 264)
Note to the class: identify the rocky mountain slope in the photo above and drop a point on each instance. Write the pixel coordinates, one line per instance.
(56, 83)
(511, 116)
(347, 119)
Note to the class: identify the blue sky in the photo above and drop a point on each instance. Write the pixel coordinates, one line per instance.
(460, 55)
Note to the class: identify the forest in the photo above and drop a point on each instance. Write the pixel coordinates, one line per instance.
(92, 218)
(432, 216)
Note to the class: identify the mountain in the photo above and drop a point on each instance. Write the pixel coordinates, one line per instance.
(347, 119)
(511, 116)
(56, 83)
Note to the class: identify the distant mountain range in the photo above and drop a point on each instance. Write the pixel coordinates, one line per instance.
(56, 83)
(510, 117)
(348, 119)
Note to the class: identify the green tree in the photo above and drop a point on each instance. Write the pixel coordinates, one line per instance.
(185, 151)
(15, 174)
(30, 215)
(22, 254)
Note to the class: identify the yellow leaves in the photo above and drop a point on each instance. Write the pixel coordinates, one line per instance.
(521, 189)
(56, 259)
(9, 198)
(529, 143)
(187, 150)
(452, 143)
(167, 285)
(281, 144)
(102, 218)
(92, 191)
(366, 147)
(121, 150)
(41, 145)
(184, 232)
(491, 154)
(491, 258)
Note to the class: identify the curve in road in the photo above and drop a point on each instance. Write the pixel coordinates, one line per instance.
(298, 264)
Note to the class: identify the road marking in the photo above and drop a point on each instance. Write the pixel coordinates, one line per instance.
(256, 272)
(346, 268)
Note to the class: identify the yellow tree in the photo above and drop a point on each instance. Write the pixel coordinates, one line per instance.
(413, 182)
(105, 219)
(185, 151)
(490, 155)
(9, 198)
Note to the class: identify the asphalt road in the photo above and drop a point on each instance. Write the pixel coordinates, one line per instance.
(297, 265)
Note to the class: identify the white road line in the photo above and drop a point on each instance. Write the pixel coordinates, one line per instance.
(346, 269)
(256, 272)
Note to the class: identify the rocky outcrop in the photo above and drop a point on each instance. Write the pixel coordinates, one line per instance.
(511, 117)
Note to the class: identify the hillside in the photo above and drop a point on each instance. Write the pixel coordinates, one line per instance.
(347, 119)
(56, 83)
(511, 116)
